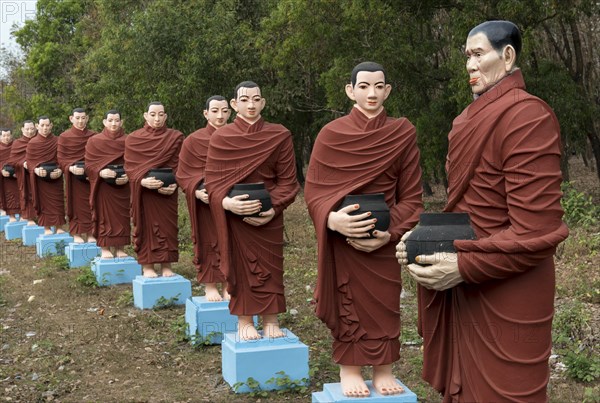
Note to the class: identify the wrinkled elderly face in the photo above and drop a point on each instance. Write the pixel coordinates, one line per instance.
(5, 137)
(156, 116)
(248, 104)
(484, 64)
(44, 127)
(113, 122)
(369, 92)
(28, 129)
(79, 120)
(218, 113)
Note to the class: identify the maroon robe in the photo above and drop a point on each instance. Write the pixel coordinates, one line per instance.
(17, 158)
(489, 338)
(71, 148)
(252, 257)
(192, 163)
(358, 293)
(109, 203)
(154, 215)
(48, 196)
(9, 189)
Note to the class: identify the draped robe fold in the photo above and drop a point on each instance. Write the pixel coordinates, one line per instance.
(71, 148)
(48, 196)
(9, 189)
(154, 215)
(489, 338)
(109, 203)
(17, 158)
(358, 293)
(192, 165)
(252, 257)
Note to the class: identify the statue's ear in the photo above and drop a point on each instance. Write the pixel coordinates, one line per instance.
(509, 54)
(350, 92)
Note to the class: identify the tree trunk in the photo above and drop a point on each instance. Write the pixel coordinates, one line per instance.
(595, 142)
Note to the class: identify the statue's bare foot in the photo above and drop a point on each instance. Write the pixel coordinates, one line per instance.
(60, 231)
(12, 219)
(384, 382)
(106, 254)
(226, 296)
(31, 223)
(48, 231)
(246, 329)
(77, 238)
(91, 239)
(272, 330)
(212, 293)
(121, 253)
(352, 382)
(167, 272)
(149, 272)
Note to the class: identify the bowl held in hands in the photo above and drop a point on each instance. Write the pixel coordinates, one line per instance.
(256, 191)
(373, 202)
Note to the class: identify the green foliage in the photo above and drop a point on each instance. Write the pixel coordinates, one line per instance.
(591, 395)
(53, 263)
(580, 209)
(284, 384)
(569, 323)
(582, 366)
(125, 299)
(163, 303)
(87, 278)
(178, 327)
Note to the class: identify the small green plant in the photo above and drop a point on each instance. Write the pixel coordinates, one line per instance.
(179, 327)
(198, 341)
(583, 365)
(163, 302)
(285, 384)
(591, 395)
(125, 299)
(253, 385)
(87, 278)
(51, 264)
(580, 209)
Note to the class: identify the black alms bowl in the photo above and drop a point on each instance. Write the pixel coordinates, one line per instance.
(256, 191)
(49, 167)
(80, 164)
(373, 202)
(165, 175)
(118, 168)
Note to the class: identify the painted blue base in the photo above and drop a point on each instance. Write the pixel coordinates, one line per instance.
(332, 392)
(3, 220)
(115, 271)
(147, 291)
(81, 254)
(14, 230)
(30, 234)
(262, 360)
(53, 244)
(208, 321)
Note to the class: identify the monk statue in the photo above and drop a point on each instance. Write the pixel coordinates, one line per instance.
(109, 192)
(46, 178)
(358, 283)
(9, 190)
(152, 149)
(250, 238)
(485, 312)
(71, 153)
(191, 178)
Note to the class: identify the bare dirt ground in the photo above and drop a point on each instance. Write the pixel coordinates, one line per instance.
(63, 341)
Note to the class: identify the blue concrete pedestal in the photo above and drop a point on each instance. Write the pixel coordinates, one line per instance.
(115, 271)
(81, 254)
(53, 244)
(262, 360)
(3, 220)
(148, 292)
(30, 234)
(14, 230)
(208, 321)
(332, 392)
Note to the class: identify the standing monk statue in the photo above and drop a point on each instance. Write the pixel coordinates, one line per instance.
(190, 176)
(9, 189)
(46, 177)
(359, 284)
(71, 150)
(485, 312)
(250, 150)
(154, 147)
(109, 192)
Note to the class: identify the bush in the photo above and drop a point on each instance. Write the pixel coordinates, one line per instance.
(579, 208)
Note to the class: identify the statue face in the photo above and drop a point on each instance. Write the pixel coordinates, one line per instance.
(113, 122)
(79, 120)
(218, 113)
(370, 92)
(248, 104)
(44, 127)
(485, 66)
(28, 129)
(156, 116)
(5, 137)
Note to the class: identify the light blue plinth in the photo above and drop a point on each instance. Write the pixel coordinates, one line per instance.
(14, 230)
(262, 360)
(3, 220)
(30, 234)
(208, 321)
(115, 271)
(81, 254)
(53, 244)
(148, 292)
(332, 392)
